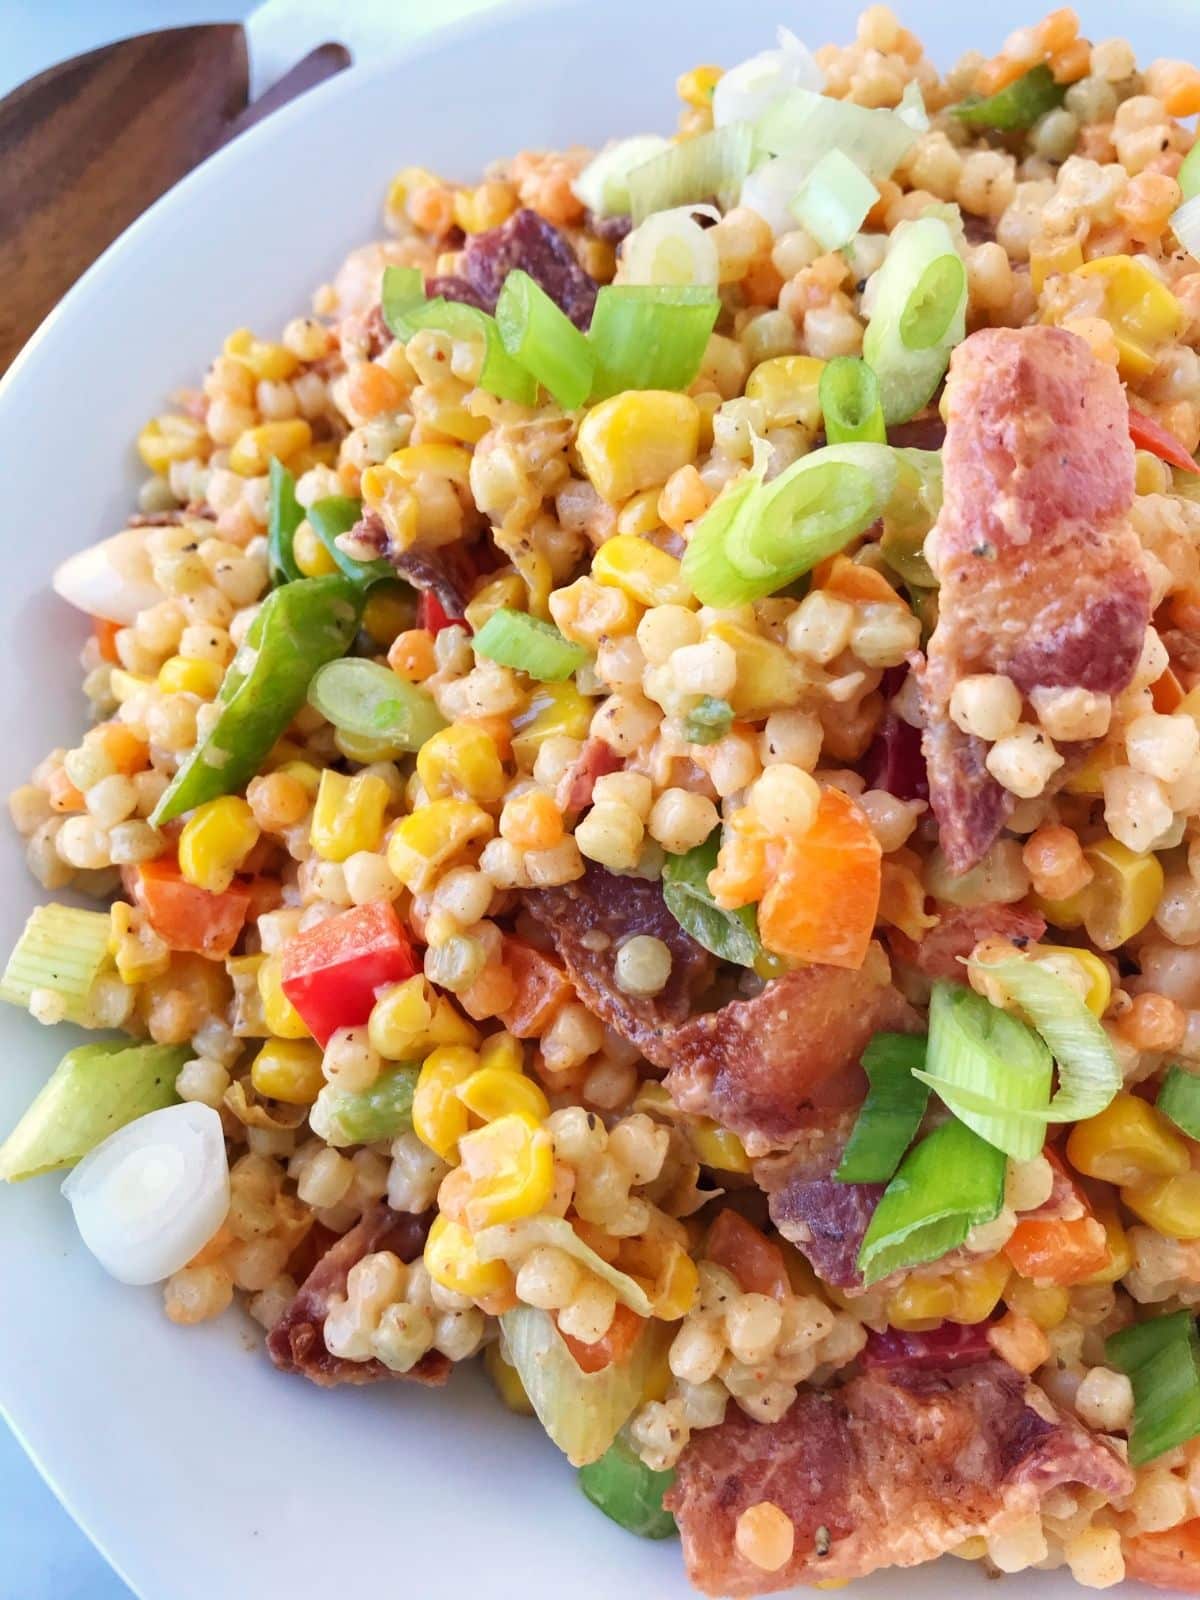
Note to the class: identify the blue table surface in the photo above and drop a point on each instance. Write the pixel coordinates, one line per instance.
(43, 1555)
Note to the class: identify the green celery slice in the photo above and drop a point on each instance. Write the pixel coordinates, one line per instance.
(62, 949)
(515, 639)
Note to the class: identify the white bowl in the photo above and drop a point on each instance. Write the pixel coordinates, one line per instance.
(196, 1467)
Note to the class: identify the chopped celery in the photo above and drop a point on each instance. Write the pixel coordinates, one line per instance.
(380, 1112)
(370, 701)
(515, 639)
(92, 1092)
(622, 1486)
(61, 949)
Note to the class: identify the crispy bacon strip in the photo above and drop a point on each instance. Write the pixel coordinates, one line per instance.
(895, 1468)
(297, 1341)
(941, 953)
(1041, 574)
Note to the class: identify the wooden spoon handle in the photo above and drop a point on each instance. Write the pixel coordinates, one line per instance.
(86, 146)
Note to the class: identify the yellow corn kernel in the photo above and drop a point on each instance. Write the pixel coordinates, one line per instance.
(1067, 913)
(174, 437)
(1051, 259)
(1140, 309)
(421, 844)
(1169, 1205)
(678, 1286)
(439, 1116)
(1123, 894)
(288, 1070)
(495, 1092)
(249, 1018)
(456, 422)
(265, 360)
(252, 451)
(659, 1377)
(400, 1018)
(717, 1147)
(282, 1018)
(639, 515)
(442, 460)
(215, 841)
(652, 1097)
(501, 1052)
(183, 675)
(506, 1381)
(452, 1260)
(504, 592)
(788, 388)
(1128, 1143)
(511, 1166)
(312, 557)
(769, 677)
(554, 709)
(1088, 777)
(362, 748)
(978, 1288)
(320, 453)
(394, 502)
(918, 1304)
(476, 210)
(386, 614)
(1150, 475)
(695, 88)
(137, 960)
(1120, 1251)
(447, 1025)
(403, 184)
(636, 440)
(125, 685)
(643, 571)
(1046, 1304)
(348, 815)
(1099, 979)
(305, 774)
(461, 762)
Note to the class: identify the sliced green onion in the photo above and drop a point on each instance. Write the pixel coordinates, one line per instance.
(622, 1486)
(500, 374)
(834, 201)
(805, 123)
(545, 341)
(708, 721)
(1161, 1358)
(284, 516)
(1188, 178)
(60, 949)
(1018, 105)
(672, 248)
(999, 1062)
(515, 639)
(919, 316)
(334, 516)
(772, 187)
(650, 336)
(752, 87)
(708, 167)
(1179, 1099)
(93, 1091)
(849, 396)
(891, 1113)
(370, 701)
(366, 1115)
(950, 1183)
(764, 536)
(911, 513)
(403, 290)
(603, 185)
(1186, 225)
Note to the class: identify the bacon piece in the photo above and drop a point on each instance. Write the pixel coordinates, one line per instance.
(827, 1222)
(954, 1344)
(894, 760)
(1040, 571)
(534, 245)
(297, 1341)
(447, 571)
(941, 953)
(596, 760)
(452, 286)
(891, 1470)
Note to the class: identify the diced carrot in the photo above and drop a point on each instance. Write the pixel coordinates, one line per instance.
(1055, 1250)
(106, 637)
(850, 580)
(615, 1346)
(1166, 693)
(822, 902)
(542, 988)
(755, 1261)
(1169, 1560)
(185, 917)
(64, 796)
(1148, 434)
(742, 870)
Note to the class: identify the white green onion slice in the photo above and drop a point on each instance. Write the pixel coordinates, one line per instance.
(981, 1057)
(834, 200)
(1179, 1099)
(61, 949)
(891, 1113)
(911, 109)
(950, 1183)
(372, 702)
(849, 395)
(807, 124)
(772, 187)
(542, 338)
(708, 167)
(919, 315)
(748, 90)
(514, 639)
(603, 185)
(672, 248)
(650, 336)
(1161, 1358)
(1186, 223)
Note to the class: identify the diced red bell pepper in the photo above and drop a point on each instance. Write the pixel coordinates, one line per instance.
(954, 1344)
(1150, 435)
(432, 614)
(332, 971)
(184, 916)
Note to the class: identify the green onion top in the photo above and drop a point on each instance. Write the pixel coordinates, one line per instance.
(544, 340)
(1179, 1099)
(1018, 105)
(372, 702)
(650, 336)
(709, 720)
(402, 292)
(515, 639)
(1161, 1358)
(849, 395)
(892, 1112)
